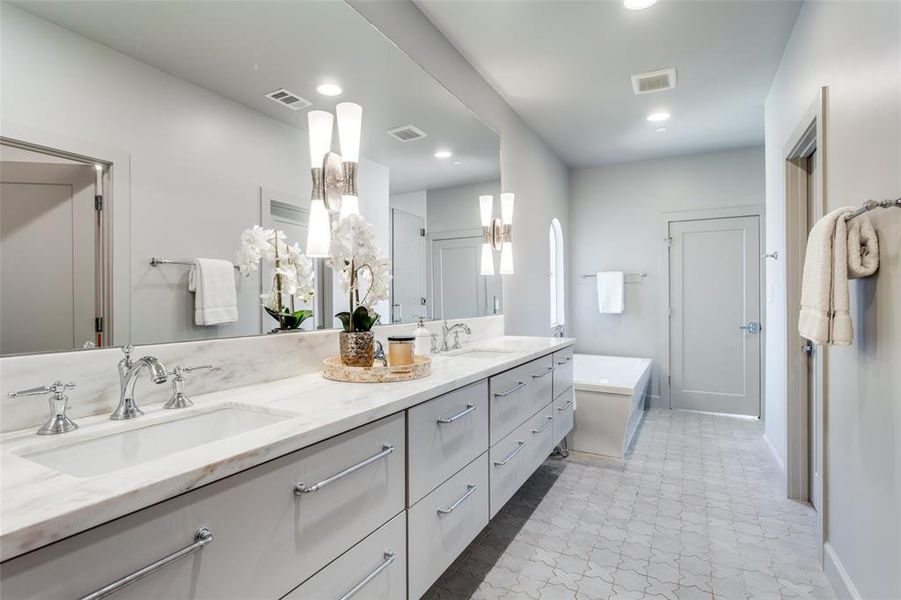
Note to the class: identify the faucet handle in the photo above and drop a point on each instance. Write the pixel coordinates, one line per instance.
(127, 350)
(59, 402)
(179, 399)
(179, 370)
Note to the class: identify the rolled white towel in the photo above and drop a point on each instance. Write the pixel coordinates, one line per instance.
(863, 248)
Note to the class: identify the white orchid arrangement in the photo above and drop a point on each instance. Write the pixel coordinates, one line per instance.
(365, 272)
(293, 271)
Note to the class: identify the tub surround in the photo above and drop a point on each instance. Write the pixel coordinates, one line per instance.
(41, 505)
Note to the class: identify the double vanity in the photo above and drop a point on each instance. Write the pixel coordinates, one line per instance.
(297, 488)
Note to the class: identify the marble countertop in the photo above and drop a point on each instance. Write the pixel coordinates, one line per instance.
(39, 505)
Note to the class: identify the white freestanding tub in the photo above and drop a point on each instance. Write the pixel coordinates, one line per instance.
(610, 398)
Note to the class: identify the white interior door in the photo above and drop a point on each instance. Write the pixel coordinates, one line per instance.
(715, 315)
(458, 290)
(47, 253)
(408, 264)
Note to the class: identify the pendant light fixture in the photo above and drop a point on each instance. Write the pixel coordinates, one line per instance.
(334, 177)
(497, 234)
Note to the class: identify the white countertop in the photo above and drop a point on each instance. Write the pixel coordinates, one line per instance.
(39, 505)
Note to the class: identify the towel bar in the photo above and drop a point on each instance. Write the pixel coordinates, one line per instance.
(156, 261)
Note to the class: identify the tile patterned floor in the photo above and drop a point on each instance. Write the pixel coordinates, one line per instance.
(697, 511)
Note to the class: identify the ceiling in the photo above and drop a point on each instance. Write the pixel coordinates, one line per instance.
(565, 68)
(242, 50)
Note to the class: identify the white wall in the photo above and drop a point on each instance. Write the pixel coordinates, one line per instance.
(529, 168)
(411, 202)
(855, 49)
(457, 207)
(616, 215)
(197, 162)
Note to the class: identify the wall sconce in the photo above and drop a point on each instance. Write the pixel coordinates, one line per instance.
(497, 233)
(334, 176)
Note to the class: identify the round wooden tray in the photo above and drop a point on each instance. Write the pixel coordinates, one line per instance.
(333, 369)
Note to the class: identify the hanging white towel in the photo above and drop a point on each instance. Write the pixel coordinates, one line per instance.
(863, 248)
(610, 292)
(215, 300)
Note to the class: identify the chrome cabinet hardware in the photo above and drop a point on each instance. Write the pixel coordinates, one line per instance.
(569, 403)
(59, 402)
(519, 446)
(564, 361)
(550, 419)
(751, 327)
(202, 537)
(470, 489)
(179, 399)
(128, 374)
(302, 488)
(469, 408)
(519, 384)
(547, 371)
(389, 557)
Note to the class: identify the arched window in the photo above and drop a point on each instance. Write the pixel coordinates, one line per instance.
(557, 283)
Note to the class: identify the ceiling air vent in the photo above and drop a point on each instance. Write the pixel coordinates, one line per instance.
(654, 81)
(407, 133)
(289, 99)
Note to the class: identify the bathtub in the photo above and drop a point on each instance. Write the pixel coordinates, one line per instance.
(610, 398)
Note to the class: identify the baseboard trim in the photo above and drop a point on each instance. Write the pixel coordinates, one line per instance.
(775, 454)
(653, 401)
(837, 575)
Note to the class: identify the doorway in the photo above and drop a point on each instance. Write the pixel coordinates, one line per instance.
(408, 297)
(714, 321)
(458, 288)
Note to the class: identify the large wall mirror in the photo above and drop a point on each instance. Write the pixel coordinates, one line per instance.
(140, 136)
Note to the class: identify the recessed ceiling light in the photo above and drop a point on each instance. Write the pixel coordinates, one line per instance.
(444, 154)
(661, 129)
(329, 89)
(638, 4)
(657, 117)
(457, 162)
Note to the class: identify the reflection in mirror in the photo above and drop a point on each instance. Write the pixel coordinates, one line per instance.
(185, 125)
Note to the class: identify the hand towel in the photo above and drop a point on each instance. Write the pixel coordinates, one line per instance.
(824, 317)
(610, 292)
(215, 300)
(863, 247)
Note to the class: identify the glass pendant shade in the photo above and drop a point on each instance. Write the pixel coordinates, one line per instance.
(506, 258)
(486, 207)
(350, 119)
(350, 205)
(320, 125)
(507, 200)
(319, 236)
(487, 267)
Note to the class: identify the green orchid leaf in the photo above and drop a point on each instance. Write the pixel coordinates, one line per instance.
(344, 317)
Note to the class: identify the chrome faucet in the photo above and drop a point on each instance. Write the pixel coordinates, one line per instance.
(128, 374)
(445, 329)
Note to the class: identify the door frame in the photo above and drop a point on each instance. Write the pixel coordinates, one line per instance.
(424, 287)
(808, 136)
(666, 218)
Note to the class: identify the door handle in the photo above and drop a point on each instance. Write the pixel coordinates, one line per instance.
(807, 348)
(751, 327)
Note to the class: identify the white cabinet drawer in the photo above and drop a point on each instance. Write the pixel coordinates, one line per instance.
(563, 411)
(266, 539)
(517, 394)
(444, 435)
(442, 524)
(374, 569)
(515, 458)
(563, 371)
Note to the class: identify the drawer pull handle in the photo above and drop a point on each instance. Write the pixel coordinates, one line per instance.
(519, 446)
(519, 384)
(564, 361)
(389, 558)
(202, 537)
(550, 419)
(469, 408)
(470, 488)
(301, 488)
(565, 406)
(540, 375)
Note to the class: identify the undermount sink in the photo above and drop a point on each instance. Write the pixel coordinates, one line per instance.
(480, 352)
(116, 451)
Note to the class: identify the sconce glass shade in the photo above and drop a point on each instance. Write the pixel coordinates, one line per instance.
(486, 207)
(507, 200)
(320, 125)
(350, 205)
(487, 267)
(350, 119)
(319, 236)
(506, 258)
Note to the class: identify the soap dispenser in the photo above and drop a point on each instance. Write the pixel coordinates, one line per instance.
(422, 340)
